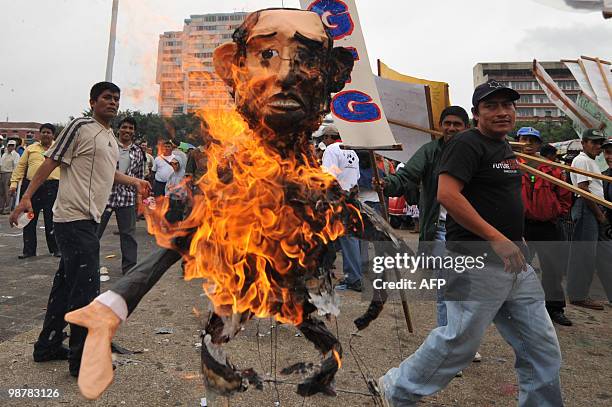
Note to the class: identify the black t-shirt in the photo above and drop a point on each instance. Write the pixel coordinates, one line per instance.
(489, 169)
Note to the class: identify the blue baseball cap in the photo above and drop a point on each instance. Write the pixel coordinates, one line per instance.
(529, 131)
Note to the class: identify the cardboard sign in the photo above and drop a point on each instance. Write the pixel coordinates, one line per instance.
(402, 101)
(357, 109)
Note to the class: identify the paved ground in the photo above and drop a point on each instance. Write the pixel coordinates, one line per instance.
(164, 372)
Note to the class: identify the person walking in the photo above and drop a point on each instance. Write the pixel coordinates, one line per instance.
(344, 165)
(162, 169)
(545, 205)
(87, 153)
(8, 162)
(44, 198)
(123, 199)
(589, 222)
(480, 186)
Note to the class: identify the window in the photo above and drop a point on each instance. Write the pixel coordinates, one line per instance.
(524, 112)
(526, 99)
(521, 85)
(542, 99)
(210, 18)
(226, 36)
(174, 43)
(568, 85)
(237, 17)
(203, 54)
(209, 27)
(223, 18)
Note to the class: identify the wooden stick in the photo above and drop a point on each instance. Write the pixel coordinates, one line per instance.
(563, 184)
(564, 167)
(415, 127)
(383, 205)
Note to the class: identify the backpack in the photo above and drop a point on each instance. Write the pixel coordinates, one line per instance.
(540, 197)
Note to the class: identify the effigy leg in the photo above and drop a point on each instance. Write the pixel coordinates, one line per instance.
(220, 376)
(322, 381)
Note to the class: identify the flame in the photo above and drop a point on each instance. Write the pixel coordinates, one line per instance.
(251, 246)
(337, 357)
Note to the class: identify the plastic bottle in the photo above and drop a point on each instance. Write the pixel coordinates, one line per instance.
(24, 219)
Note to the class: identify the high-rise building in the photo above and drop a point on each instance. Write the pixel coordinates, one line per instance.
(533, 105)
(185, 72)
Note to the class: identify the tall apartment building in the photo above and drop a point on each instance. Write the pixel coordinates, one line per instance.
(184, 63)
(533, 105)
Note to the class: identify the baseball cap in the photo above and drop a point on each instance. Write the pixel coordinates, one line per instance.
(330, 130)
(11, 143)
(491, 87)
(593, 134)
(607, 143)
(529, 131)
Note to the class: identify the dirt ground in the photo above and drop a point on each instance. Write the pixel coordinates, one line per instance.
(164, 371)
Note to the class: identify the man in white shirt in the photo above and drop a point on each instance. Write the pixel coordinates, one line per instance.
(588, 218)
(162, 169)
(344, 165)
(8, 163)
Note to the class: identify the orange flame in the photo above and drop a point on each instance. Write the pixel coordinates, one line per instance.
(249, 243)
(337, 357)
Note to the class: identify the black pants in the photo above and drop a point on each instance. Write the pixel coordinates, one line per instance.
(43, 201)
(159, 188)
(126, 221)
(76, 284)
(541, 238)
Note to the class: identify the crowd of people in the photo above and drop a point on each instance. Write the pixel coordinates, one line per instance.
(472, 196)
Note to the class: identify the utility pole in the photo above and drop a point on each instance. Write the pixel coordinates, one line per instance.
(111, 42)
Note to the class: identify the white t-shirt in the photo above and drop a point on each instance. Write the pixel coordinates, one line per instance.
(162, 169)
(584, 162)
(342, 164)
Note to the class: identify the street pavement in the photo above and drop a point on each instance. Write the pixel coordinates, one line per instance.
(164, 368)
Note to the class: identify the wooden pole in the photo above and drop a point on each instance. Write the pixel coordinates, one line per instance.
(563, 184)
(415, 127)
(383, 206)
(563, 166)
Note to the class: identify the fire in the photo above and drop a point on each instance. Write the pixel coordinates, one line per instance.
(251, 245)
(337, 357)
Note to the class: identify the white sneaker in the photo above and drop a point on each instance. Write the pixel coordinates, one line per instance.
(477, 358)
(381, 391)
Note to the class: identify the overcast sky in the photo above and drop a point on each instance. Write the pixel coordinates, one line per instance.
(52, 51)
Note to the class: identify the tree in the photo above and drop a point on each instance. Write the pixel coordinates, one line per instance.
(551, 132)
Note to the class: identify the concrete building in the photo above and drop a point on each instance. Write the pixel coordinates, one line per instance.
(27, 132)
(184, 63)
(533, 105)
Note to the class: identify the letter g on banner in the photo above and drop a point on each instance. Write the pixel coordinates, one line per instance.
(355, 106)
(339, 19)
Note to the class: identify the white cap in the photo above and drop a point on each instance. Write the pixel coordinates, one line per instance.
(11, 143)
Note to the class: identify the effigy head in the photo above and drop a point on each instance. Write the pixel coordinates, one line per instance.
(282, 69)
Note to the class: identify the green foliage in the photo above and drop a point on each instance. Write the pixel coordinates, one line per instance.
(151, 127)
(551, 132)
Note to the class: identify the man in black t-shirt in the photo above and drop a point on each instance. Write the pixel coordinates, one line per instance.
(480, 185)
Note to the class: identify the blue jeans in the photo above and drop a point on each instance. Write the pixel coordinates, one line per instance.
(518, 310)
(351, 258)
(439, 249)
(589, 251)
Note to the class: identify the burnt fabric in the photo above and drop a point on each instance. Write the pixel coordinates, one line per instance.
(43, 201)
(76, 284)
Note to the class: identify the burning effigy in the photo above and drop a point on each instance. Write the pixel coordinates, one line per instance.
(264, 214)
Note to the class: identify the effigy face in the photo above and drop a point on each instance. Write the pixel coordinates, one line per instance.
(282, 69)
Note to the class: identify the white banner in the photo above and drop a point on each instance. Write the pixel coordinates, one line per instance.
(600, 78)
(580, 118)
(357, 109)
(578, 73)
